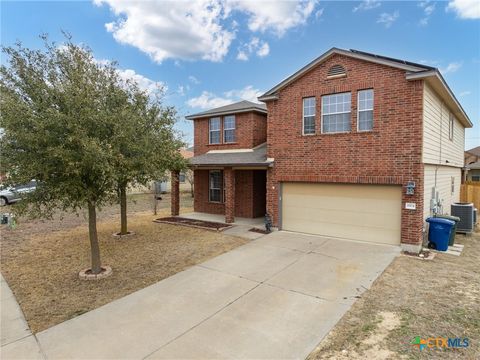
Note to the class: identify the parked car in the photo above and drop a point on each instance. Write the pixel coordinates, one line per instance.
(13, 194)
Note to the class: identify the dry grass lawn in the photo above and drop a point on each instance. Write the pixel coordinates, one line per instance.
(42, 268)
(439, 298)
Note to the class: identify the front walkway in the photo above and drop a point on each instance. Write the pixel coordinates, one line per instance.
(17, 341)
(275, 297)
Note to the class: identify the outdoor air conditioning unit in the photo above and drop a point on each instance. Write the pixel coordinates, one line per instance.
(465, 212)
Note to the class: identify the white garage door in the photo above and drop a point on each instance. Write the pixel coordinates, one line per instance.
(360, 212)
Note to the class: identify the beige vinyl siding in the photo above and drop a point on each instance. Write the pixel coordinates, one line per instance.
(359, 212)
(444, 177)
(437, 147)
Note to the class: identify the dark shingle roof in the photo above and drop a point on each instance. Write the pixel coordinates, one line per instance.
(407, 65)
(475, 151)
(426, 67)
(257, 157)
(474, 166)
(238, 107)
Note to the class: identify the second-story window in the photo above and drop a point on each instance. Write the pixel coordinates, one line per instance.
(214, 130)
(451, 121)
(309, 116)
(365, 110)
(229, 129)
(336, 113)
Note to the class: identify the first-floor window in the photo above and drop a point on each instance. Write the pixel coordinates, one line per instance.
(336, 113)
(215, 186)
(309, 116)
(475, 177)
(181, 177)
(365, 110)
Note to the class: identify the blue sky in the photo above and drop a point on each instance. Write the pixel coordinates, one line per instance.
(209, 53)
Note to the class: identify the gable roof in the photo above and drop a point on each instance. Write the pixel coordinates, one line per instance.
(235, 108)
(475, 151)
(414, 71)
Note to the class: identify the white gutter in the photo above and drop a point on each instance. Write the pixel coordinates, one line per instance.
(435, 75)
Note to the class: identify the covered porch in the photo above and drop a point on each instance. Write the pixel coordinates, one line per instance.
(229, 184)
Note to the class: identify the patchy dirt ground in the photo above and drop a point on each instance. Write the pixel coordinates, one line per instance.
(41, 260)
(439, 298)
(63, 220)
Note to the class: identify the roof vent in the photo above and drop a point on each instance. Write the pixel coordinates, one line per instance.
(336, 70)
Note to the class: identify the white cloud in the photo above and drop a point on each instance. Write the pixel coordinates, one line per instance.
(181, 90)
(171, 29)
(247, 93)
(202, 29)
(319, 13)
(451, 68)
(144, 83)
(367, 5)
(464, 93)
(193, 80)
(388, 19)
(428, 9)
(208, 100)
(273, 15)
(261, 48)
(465, 9)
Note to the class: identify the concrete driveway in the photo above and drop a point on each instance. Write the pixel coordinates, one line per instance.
(276, 297)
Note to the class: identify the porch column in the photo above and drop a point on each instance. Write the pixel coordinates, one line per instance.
(229, 175)
(175, 193)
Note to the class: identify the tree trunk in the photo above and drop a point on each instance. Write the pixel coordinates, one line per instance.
(92, 232)
(123, 210)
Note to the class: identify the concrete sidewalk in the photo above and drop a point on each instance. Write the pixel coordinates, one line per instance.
(276, 297)
(17, 341)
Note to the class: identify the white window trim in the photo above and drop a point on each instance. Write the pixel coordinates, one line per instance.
(358, 110)
(210, 131)
(314, 115)
(209, 188)
(336, 113)
(451, 126)
(225, 129)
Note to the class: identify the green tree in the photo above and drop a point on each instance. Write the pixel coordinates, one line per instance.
(57, 128)
(145, 143)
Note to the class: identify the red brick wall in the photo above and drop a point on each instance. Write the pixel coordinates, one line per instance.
(200, 201)
(244, 193)
(249, 194)
(390, 154)
(251, 130)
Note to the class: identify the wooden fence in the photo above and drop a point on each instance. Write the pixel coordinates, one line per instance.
(470, 192)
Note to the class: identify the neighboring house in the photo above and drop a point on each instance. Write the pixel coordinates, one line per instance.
(472, 164)
(185, 177)
(358, 146)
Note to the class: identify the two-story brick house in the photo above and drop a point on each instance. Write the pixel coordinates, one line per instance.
(353, 145)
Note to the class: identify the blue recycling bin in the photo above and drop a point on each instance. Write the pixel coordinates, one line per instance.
(439, 232)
